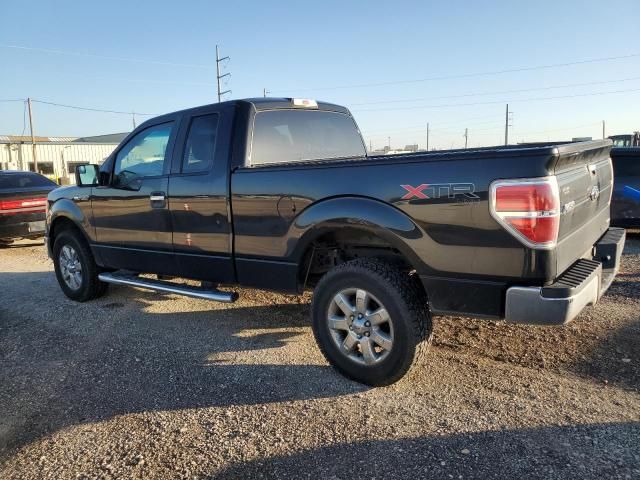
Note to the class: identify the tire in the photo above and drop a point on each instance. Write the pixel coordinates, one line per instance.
(387, 287)
(87, 286)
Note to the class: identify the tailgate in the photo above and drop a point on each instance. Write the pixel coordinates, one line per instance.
(585, 181)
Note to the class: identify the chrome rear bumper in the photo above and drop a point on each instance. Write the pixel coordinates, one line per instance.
(580, 285)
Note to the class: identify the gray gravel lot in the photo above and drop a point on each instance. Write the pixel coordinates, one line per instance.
(140, 385)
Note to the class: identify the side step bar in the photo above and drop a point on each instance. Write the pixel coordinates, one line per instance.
(168, 287)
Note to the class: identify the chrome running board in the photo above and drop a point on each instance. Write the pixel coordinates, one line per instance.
(168, 287)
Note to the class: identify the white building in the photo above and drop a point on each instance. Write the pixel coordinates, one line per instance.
(57, 156)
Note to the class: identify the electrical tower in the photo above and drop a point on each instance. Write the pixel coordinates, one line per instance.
(220, 77)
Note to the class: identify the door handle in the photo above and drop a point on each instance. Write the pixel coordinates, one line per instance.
(157, 199)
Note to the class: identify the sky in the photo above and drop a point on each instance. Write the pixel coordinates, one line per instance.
(397, 65)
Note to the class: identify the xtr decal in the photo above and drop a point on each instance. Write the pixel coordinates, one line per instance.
(440, 190)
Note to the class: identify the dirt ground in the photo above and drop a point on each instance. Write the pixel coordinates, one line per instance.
(141, 385)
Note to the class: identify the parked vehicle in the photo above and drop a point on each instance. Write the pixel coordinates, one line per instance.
(279, 194)
(627, 140)
(625, 203)
(23, 201)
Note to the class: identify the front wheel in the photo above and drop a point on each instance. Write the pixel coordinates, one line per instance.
(371, 321)
(76, 270)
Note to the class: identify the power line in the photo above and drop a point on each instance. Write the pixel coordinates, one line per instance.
(107, 57)
(474, 74)
(419, 107)
(91, 109)
(12, 100)
(420, 128)
(558, 129)
(522, 90)
(497, 133)
(445, 131)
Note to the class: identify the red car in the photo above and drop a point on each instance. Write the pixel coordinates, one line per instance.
(23, 202)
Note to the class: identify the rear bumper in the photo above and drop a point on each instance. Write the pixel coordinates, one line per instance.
(22, 229)
(580, 285)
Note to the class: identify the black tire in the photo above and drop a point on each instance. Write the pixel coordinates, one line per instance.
(404, 300)
(90, 286)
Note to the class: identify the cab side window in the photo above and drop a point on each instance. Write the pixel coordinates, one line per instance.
(143, 155)
(200, 146)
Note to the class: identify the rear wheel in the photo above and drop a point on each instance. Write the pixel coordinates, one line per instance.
(371, 321)
(75, 267)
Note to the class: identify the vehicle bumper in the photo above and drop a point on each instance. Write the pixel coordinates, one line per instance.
(22, 230)
(580, 285)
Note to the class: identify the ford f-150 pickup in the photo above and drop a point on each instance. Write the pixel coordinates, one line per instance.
(280, 194)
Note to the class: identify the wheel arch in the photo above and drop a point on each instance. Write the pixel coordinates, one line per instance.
(63, 215)
(368, 222)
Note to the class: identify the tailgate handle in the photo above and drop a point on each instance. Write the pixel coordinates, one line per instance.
(593, 168)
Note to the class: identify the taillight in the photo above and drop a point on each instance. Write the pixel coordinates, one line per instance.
(20, 206)
(528, 209)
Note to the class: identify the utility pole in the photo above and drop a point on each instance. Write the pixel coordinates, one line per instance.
(264, 92)
(133, 118)
(218, 76)
(389, 139)
(466, 137)
(427, 136)
(508, 122)
(603, 131)
(506, 126)
(370, 145)
(33, 140)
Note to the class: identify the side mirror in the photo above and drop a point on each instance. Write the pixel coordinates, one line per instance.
(87, 175)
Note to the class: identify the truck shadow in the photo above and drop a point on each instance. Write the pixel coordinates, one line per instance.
(135, 351)
(545, 452)
(83, 363)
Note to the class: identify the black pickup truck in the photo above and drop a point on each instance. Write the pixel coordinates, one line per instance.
(280, 194)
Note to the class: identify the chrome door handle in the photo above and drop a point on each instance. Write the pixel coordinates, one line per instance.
(157, 200)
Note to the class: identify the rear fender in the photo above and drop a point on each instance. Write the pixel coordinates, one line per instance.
(367, 214)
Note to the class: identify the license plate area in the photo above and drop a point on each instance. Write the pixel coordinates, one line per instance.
(36, 226)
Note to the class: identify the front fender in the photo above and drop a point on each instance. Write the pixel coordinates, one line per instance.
(364, 213)
(66, 208)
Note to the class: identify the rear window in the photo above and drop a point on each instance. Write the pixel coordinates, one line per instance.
(626, 166)
(281, 136)
(23, 180)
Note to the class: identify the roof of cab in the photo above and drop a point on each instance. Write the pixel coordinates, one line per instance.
(268, 103)
(259, 104)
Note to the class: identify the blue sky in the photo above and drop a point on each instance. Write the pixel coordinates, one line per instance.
(310, 48)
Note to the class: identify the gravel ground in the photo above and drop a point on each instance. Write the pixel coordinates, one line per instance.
(140, 385)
